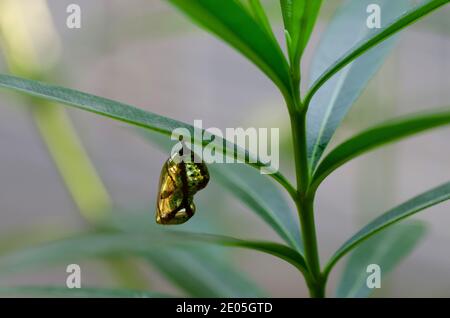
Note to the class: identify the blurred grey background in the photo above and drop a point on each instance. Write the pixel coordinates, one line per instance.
(145, 53)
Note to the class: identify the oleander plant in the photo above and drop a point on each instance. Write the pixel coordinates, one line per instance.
(343, 63)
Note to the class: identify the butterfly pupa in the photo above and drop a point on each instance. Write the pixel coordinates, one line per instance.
(180, 180)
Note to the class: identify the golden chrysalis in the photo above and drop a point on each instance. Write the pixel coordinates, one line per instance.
(178, 183)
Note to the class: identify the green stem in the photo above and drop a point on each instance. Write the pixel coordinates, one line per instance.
(306, 214)
(317, 289)
(304, 199)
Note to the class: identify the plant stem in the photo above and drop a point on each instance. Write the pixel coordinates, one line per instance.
(305, 206)
(304, 199)
(306, 214)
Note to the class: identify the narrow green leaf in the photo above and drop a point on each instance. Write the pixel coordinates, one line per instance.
(201, 270)
(376, 137)
(284, 252)
(334, 99)
(153, 247)
(73, 248)
(228, 20)
(94, 104)
(195, 235)
(386, 249)
(121, 112)
(203, 274)
(261, 17)
(299, 17)
(130, 244)
(84, 292)
(281, 251)
(292, 12)
(263, 197)
(308, 22)
(375, 38)
(410, 207)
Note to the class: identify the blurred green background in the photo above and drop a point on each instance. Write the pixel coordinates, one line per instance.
(145, 53)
